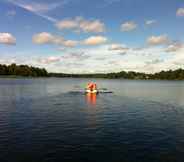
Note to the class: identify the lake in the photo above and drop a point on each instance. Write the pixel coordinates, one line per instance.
(51, 120)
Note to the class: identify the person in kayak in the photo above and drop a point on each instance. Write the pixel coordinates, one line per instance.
(91, 88)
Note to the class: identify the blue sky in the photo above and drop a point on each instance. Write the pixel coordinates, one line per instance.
(82, 36)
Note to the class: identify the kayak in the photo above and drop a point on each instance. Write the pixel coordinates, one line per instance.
(91, 91)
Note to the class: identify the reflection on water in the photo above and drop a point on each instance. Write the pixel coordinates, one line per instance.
(91, 98)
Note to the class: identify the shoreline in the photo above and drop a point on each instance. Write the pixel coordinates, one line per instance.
(25, 71)
(30, 77)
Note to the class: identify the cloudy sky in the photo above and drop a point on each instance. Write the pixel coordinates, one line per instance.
(82, 36)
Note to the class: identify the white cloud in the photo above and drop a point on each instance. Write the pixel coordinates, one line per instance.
(154, 61)
(174, 62)
(180, 12)
(43, 38)
(80, 24)
(92, 26)
(95, 40)
(67, 24)
(49, 60)
(174, 47)
(117, 47)
(102, 60)
(47, 38)
(70, 43)
(122, 49)
(150, 22)
(128, 26)
(158, 40)
(7, 38)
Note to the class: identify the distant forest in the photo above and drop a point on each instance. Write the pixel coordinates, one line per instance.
(29, 71)
(22, 70)
(163, 75)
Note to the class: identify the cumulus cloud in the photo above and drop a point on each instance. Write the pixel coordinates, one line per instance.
(100, 59)
(80, 24)
(180, 12)
(95, 40)
(174, 62)
(76, 56)
(128, 26)
(49, 60)
(105, 60)
(150, 22)
(67, 24)
(119, 48)
(7, 38)
(158, 40)
(154, 61)
(174, 47)
(43, 38)
(47, 38)
(70, 43)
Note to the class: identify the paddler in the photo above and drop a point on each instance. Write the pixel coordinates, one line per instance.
(91, 87)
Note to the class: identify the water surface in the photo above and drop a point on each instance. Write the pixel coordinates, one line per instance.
(51, 119)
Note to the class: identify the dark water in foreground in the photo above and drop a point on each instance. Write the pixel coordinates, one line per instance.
(42, 120)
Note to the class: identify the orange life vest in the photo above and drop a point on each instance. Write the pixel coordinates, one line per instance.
(91, 86)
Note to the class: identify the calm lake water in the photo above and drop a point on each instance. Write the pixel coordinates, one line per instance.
(51, 120)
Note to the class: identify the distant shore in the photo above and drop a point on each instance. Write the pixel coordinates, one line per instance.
(22, 71)
(80, 77)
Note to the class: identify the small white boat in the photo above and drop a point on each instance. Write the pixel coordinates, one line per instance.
(91, 91)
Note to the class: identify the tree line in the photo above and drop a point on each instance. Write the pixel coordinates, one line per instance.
(29, 71)
(163, 75)
(22, 70)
